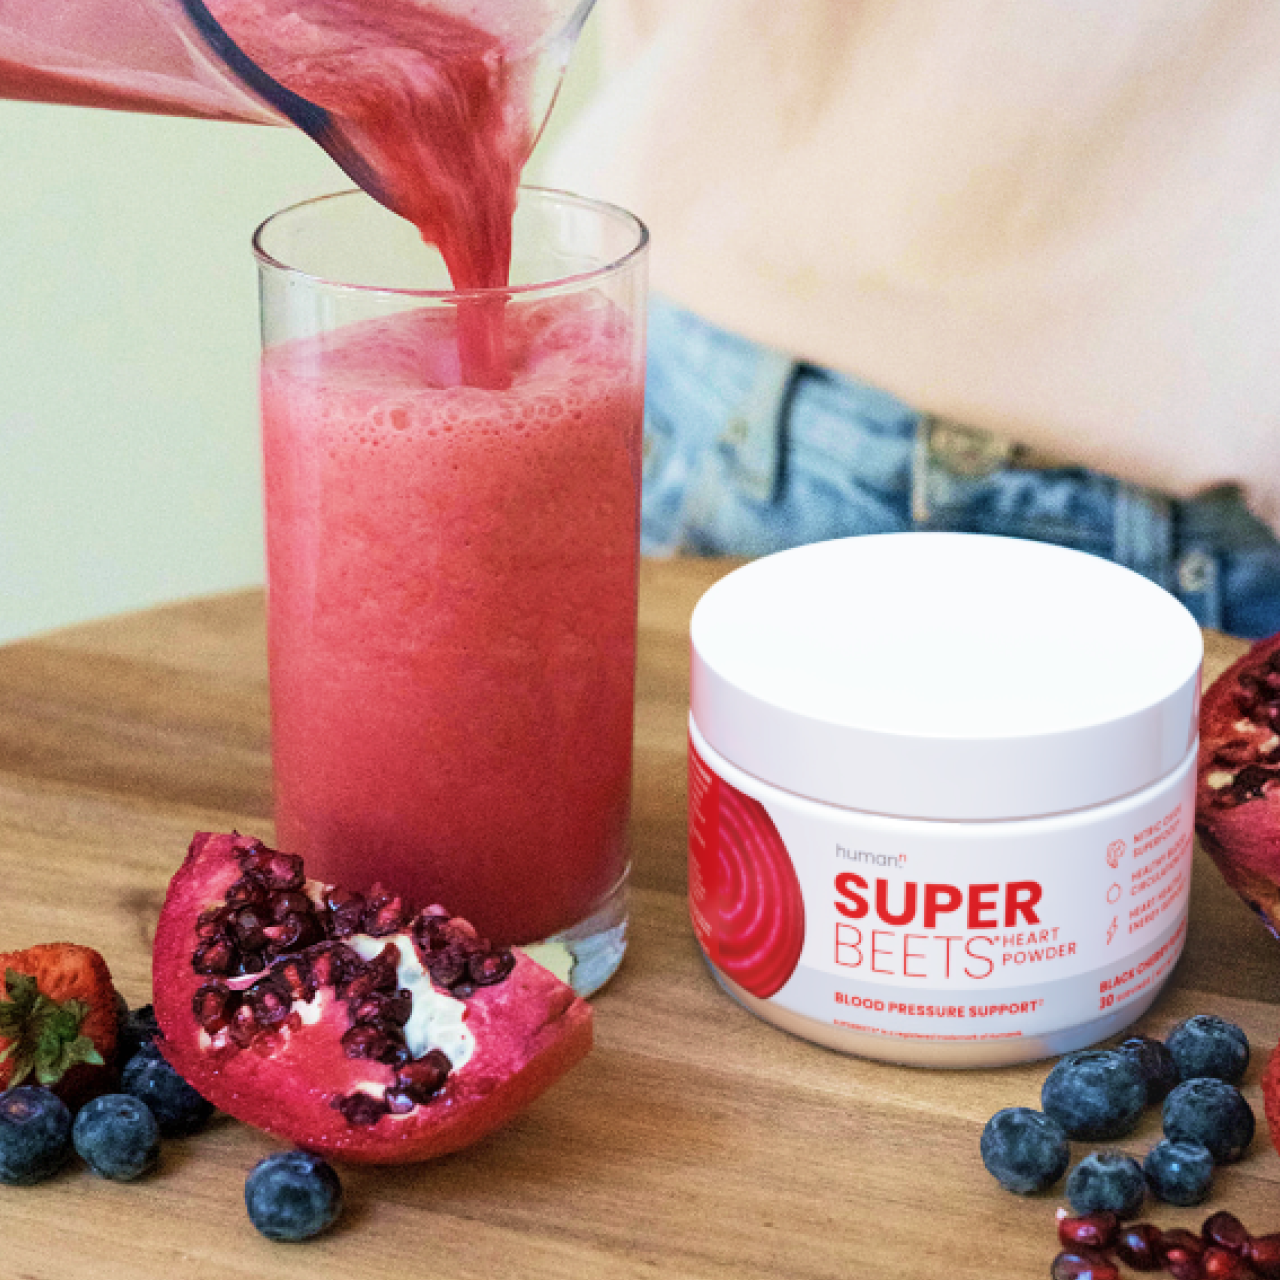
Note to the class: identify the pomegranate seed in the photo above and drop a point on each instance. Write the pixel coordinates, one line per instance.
(246, 892)
(360, 1109)
(274, 870)
(292, 933)
(1227, 1232)
(211, 923)
(215, 958)
(446, 967)
(398, 1102)
(295, 973)
(270, 1001)
(397, 1054)
(1138, 1246)
(1264, 1256)
(384, 914)
(382, 1008)
(285, 871)
(267, 1044)
(250, 962)
(254, 861)
(247, 928)
(424, 1077)
(485, 970)
(291, 902)
(244, 1026)
(428, 929)
(1187, 1241)
(375, 977)
(463, 990)
(336, 897)
(1094, 1230)
(1083, 1264)
(384, 967)
(1222, 1264)
(368, 1010)
(363, 1041)
(399, 1007)
(1181, 1253)
(1234, 754)
(335, 963)
(213, 1006)
(463, 933)
(346, 911)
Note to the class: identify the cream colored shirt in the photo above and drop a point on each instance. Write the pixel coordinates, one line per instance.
(1055, 219)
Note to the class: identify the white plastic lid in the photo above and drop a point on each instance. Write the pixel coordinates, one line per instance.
(946, 675)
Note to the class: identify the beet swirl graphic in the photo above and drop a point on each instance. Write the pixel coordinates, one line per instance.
(758, 916)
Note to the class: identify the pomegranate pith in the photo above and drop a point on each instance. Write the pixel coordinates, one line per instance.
(333, 1020)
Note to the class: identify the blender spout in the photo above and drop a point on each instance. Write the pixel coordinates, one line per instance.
(553, 54)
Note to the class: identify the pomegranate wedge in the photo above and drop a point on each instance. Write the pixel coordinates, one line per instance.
(339, 1022)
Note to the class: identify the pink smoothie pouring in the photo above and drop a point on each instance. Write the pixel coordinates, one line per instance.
(435, 105)
(452, 625)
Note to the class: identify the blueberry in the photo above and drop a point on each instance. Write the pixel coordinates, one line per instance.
(117, 1137)
(179, 1110)
(1107, 1181)
(1095, 1094)
(35, 1135)
(1212, 1112)
(1024, 1150)
(138, 1029)
(1209, 1046)
(292, 1196)
(1155, 1062)
(1179, 1172)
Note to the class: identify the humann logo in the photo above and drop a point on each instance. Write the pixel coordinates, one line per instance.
(869, 859)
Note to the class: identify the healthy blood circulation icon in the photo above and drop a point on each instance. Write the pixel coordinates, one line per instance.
(744, 896)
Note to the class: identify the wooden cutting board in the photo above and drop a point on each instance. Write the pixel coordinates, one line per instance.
(694, 1141)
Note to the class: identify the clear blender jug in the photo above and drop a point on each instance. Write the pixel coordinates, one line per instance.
(171, 57)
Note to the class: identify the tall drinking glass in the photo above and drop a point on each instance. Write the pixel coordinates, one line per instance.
(452, 569)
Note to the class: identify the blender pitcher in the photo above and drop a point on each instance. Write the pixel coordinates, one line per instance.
(172, 57)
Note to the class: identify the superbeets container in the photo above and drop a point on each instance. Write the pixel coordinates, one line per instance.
(941, 794)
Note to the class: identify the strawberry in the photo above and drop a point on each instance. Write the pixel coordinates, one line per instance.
(58, 1020)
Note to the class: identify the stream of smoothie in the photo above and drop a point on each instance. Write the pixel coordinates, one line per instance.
(436, 106)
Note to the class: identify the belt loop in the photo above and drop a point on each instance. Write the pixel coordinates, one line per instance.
(757, 427)
(1144, 534)
(951, 463)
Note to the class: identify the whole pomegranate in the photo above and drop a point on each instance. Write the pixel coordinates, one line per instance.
(1238, 790)
(338, 1022)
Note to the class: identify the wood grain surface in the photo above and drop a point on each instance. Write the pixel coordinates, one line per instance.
(695, 1141)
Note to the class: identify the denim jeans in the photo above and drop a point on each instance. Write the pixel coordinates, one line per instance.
(748, 452)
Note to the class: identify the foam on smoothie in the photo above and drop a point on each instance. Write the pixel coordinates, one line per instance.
(452, 626)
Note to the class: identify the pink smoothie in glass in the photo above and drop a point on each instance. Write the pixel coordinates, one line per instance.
(452, 610)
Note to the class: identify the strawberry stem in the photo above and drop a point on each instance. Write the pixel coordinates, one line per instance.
(45, 1039)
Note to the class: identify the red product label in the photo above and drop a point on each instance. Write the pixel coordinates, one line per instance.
(744, 896)
(704, 843)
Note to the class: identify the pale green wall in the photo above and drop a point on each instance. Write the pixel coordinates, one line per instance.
(129, 469)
